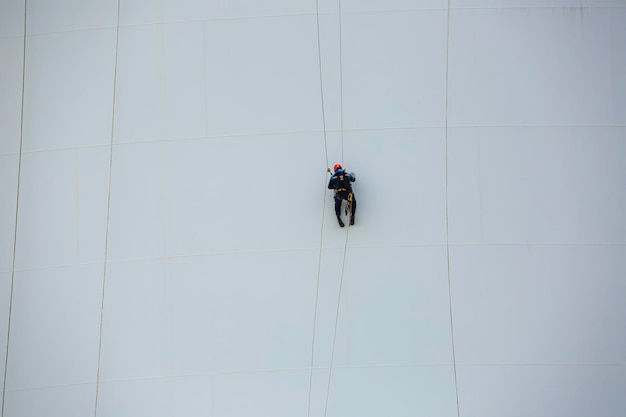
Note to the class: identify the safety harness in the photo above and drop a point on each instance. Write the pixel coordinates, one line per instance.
(342, 187)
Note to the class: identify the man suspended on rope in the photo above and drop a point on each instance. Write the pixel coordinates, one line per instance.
(340, 182)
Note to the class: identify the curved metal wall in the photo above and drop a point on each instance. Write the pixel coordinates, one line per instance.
(168, 245)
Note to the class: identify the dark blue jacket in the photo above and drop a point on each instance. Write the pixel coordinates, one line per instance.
(341, 181)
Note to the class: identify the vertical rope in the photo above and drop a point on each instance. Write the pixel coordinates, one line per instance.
(17, 206)
(332, 354)
(106, 236)
(456, 386)
(345, 247)
(317, 290)
(319, 58)
(319, 259)
(340, 79)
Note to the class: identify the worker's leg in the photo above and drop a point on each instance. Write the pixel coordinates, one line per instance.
(338, 201)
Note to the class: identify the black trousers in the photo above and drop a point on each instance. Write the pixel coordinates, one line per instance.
(339, 197)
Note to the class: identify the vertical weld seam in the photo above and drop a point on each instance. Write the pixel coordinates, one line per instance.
(17, 206)
(204, 80)
(106, 235)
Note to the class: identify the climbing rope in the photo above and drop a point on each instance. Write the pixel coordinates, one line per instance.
(319, 259)
(323, 215)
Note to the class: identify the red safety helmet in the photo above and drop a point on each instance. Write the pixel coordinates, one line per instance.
(337, 166)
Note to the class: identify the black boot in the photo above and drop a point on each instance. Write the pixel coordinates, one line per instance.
(340, 222)
(352, 220)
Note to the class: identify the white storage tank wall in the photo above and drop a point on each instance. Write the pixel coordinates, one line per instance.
(536, 166)
(176, 251)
